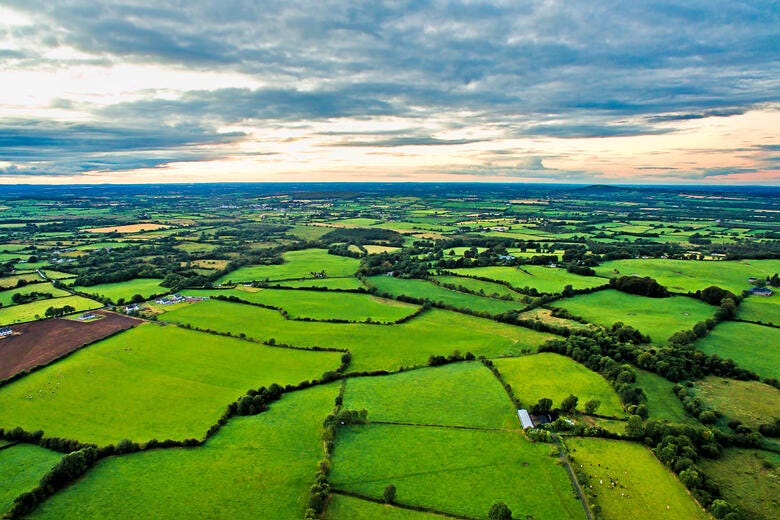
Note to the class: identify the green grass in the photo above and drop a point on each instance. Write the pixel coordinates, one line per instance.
(658, 318)
(342, 507)
(689, 275)
(555, 376)
(309, 232)
(7, 282)
(751, 402)
(36, 310)
(6, 297)
(374, 347)
(21, 467)
(460, 394)
(661, 401)
(150, 382)
(57, 275)
(425, 289)
(348, 282)
(644, 487)
(255, 467)
(453, 470)
(320, 305)
(761, 309)
(753, 347)
(297, 264)
(748, 479)
(146, 287)
(543, 279)
(495, 290)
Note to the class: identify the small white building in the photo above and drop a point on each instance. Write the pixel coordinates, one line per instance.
(525, 419)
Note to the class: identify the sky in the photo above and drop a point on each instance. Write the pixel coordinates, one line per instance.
(608, 92)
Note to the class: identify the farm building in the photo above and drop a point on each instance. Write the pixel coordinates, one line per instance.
(5, 331)
(761, 291)
(525, 419)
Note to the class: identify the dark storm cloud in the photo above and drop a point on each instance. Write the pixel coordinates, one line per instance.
(540, 68)
(59, 148)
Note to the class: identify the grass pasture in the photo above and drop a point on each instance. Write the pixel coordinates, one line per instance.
(543, 279)
(489, 289)
(342, 507)
(658, 318)
(346, 282)
(297, 265)
(454, 470)
(459, 394)
(751, 402)
(8, 282)
(21, 467)
(689, 275)
(754, 347)
(424, 289)
(36, 310)
(555, 376)
(150, 382)
(6, 297)
(748, 479)
(374, 347)
(760, 309)
(661, 401)
(320, 305)
(146, 287)
(255, 467)
(643, 487)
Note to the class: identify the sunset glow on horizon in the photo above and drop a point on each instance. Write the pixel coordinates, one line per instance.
(532, 91)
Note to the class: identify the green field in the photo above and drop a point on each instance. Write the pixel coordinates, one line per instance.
(7, 282)
(347, 282)
(21, 467)
(297, 264)
(424, 289)
(753, 347)
(146, 287)
(661, 401)
(543, 279)
(748, 479)
(374, 347)
(658, 318)
(555, 376)
(459, 394)
(37, 309)
(320, 305)
(255, 467)
(688, 275)
(6, 297)
(454, 470)
(751, 402)
(149, 382)
(342, 507)
(643, 487)
(761, 309)
(491, 289)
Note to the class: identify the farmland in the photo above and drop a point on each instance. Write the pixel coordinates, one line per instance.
(421, 397)
(150, 382)
(38, 343)
(754, 347)
(658, 318)
(529, 377)
(254, 467)
(455, 471)
(424, 306)
(626, 481)
(320, 305)
(373, 347)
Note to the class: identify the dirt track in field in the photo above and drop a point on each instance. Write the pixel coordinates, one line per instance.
(41, 342)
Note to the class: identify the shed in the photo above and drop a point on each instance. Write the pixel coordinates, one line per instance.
(525, 419)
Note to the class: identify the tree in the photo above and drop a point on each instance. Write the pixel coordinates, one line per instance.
(500, 511)
(543, 406)
(569, 404)
(635, 428)
(591, 406)
(389, 494)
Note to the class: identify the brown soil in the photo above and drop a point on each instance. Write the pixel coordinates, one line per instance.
(41, 342)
